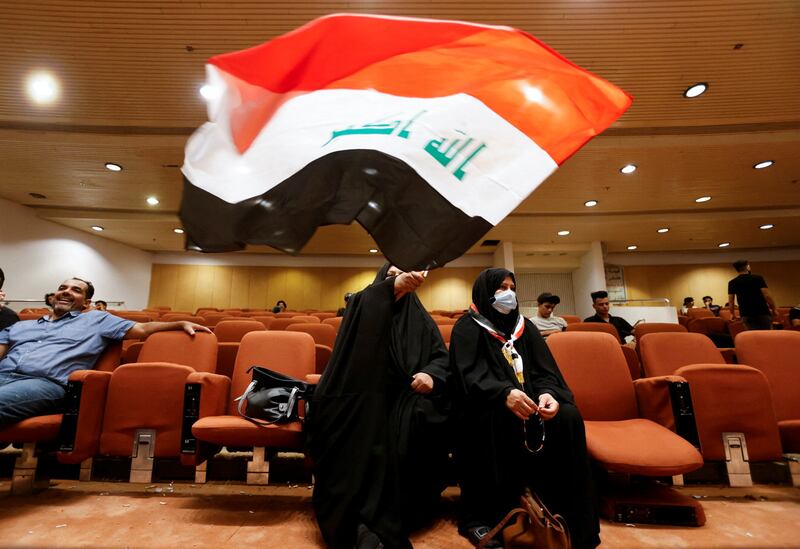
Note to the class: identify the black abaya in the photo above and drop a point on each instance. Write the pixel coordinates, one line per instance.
(494, 465)
(378, 447)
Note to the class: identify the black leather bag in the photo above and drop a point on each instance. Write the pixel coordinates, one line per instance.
(273, 397)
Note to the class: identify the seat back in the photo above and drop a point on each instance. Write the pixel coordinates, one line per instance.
(174, 317)
(213, 318)
(595, 369)
(291, 353)
(708, 325)
(305, 319)
(136, 317)
(445, 321)
(447, 332)
(571, 319)
(266, 320)
(776, 354)
(287, 314)
(109, 359)
(603, 327)
(336, 322)
(144, 396)
(281, 323)
(656, 327)
(663, 353)
(232, 331)
(699, 312)
(323, 315)
(737, 399)
(323, 334)
(177, 347)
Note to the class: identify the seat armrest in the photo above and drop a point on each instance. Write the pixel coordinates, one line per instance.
(313, 378)
(729, 354)
(323, 356)
(214, 392)
(85, 404)
(654, 399)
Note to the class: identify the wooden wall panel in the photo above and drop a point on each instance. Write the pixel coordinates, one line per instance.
(678, 281)
(187, 287)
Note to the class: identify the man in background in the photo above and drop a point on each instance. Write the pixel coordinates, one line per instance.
(756, 306)
(545, 319)
(100, 305)
(708, 303)
(601, 305)
(688, 303)
(7, 316)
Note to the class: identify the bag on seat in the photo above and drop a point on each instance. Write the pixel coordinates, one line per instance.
(535, 527)
(272, 397)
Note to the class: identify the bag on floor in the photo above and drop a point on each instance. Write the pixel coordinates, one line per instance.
(272, 397)
(534, 528)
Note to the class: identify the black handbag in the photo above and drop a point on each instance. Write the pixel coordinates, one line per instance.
(272, 397)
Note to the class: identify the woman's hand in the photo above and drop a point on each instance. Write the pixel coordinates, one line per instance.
(422, 384)
(548, 406)
(405, 283)
(520, 404)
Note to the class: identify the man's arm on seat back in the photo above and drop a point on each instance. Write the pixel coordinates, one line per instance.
(141, 330)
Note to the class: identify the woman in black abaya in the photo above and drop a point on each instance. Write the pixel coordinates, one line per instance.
(501, 381)
(377, 432)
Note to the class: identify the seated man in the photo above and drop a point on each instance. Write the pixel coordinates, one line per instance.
(7, 316)
(38, 356)
(688, 303)
(601, 305)
(545, 321)
(708, 303)
(794, 317)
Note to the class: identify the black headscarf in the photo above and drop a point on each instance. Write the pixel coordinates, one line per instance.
(487, 283)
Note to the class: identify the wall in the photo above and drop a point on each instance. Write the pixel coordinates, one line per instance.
(185, 287)
(37, 255)
(678, 281)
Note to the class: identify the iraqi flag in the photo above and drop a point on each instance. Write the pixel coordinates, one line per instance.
(427, 133)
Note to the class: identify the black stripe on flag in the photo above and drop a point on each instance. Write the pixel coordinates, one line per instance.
(415, 227)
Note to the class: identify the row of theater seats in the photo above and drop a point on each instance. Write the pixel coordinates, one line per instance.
(173, 402)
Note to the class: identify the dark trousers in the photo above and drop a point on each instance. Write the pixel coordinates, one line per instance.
(758, 322)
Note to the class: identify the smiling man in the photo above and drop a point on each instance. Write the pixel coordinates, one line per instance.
(38, 356)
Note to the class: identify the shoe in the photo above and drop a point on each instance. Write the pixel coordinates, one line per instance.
(477, 533)
(367, 539)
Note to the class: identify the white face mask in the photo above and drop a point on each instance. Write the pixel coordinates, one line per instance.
(505, 301)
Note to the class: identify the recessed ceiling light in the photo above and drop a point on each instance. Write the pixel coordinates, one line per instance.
(373, 250)
(702, 199)
(563, 233)
(113, 167)
(43, 88)
(724, 244)
(663, 230)
(632, 247)
(590, 203)
(698, 89)
(628, 168)
(178, 230)
(763, 164)
(97, 228)
(152, 200)
(766, 227)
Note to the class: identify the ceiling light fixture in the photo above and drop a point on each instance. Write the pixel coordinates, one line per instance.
(97, 228)
(152, 200)
(724, 244)
(698, 89)
(702, 199)
(563, 233)
(178, 230)
(632, 247)
(628, 169)
(763, 164)
(42, 87)
(373, 250)
(663, 230)
(590, 203)
(766, 227)
(113, 167)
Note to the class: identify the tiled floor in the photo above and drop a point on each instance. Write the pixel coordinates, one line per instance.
(102, 514)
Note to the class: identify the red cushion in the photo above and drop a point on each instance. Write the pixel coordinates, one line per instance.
(237, 431)
(32, 429)
(640, 447)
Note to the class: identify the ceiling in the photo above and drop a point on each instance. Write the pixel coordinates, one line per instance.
(130, 74)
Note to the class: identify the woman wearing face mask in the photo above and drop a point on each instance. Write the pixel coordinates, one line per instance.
(517, 424)
(378, 421)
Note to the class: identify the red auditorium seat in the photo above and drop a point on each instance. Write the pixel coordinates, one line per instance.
(288, 314)
(324, 338)
(447, 331)
(655, 327)
(594, 327)
(336, 322)
(699, 312)
(149, 396)
(572, 319)
(174, 317)
(777, 354)
(322, 315)
(232, 331)
(291, 353)
(84, 404)
(663, 353)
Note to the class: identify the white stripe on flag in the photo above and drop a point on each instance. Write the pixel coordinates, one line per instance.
(478, 161)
